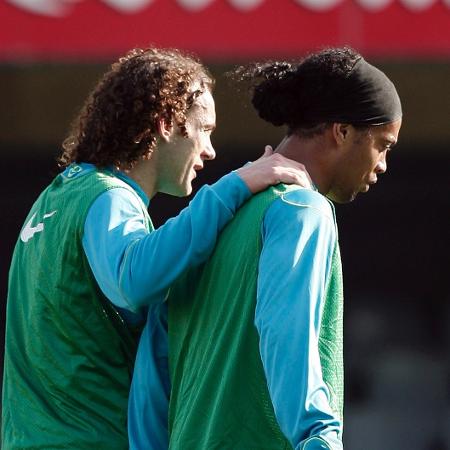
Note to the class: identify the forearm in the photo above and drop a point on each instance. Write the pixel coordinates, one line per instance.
(153, 263)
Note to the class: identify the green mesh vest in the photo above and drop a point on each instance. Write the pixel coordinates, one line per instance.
(69, 356)
(219, 397)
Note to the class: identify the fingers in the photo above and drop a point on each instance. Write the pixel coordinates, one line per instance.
(290, 175)
(271, 169)
(301, 179)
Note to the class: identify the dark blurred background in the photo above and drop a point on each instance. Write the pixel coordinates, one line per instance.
(394, 239)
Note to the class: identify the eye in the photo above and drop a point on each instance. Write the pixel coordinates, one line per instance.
(386, 147)
(209, 128)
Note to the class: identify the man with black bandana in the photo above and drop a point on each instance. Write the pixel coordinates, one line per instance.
(255, 339)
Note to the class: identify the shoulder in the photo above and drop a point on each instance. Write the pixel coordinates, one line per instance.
(297, 218)
(117, 211)
(303, 202)
(118, 199)
(300, 212)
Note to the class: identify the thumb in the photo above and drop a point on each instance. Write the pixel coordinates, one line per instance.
(268, 150)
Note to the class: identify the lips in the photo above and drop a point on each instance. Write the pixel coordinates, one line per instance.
(195, 169)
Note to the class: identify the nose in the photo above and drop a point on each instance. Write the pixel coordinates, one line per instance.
(209, 153)
(381, 166)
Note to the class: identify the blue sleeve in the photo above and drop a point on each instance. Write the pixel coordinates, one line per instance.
(298, 241)
(134, 267)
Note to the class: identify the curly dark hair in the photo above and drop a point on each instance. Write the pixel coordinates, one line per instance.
(118, 124)
(283, 92)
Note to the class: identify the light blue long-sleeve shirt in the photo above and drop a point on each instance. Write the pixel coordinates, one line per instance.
(298, 235)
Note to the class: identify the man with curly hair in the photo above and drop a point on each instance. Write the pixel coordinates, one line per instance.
(255, 337)
(88, 262)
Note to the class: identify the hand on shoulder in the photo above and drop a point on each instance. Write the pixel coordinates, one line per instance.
(271, 169)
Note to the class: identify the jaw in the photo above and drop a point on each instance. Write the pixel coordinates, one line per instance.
(342, 196)
(176, 188)
(179, 190)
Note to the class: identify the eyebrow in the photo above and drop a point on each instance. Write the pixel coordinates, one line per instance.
(210, 126)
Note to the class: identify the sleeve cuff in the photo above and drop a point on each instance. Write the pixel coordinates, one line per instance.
(232, 190)
(315, 443)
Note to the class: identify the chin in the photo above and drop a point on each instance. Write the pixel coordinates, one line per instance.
(342, 197)
(184, 191)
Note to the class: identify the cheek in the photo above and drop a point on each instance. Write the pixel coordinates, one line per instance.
(192, 145)
(199, 144)
(377, 157)
(371, 159)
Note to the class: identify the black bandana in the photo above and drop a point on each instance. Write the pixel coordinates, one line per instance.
(365, 97)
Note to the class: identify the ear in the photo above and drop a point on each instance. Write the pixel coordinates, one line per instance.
(164, 129)
(341, 132)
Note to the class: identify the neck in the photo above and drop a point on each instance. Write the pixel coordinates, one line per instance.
(144, 174)
(314, 153)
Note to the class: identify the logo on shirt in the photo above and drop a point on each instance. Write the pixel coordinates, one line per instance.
(74, 170)
(29, 230)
